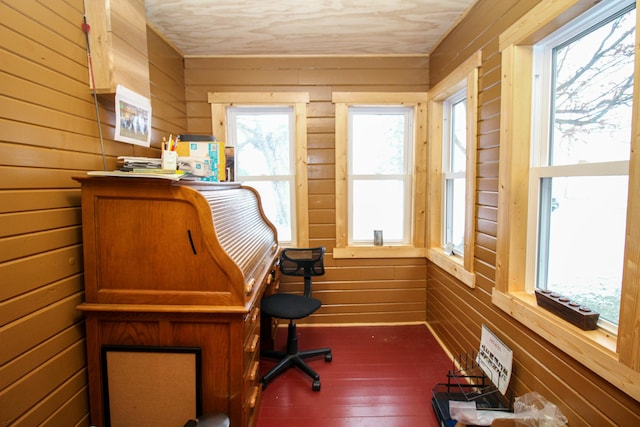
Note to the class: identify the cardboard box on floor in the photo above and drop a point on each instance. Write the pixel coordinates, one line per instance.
(504, 422)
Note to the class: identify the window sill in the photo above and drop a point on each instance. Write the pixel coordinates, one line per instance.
(378, 252)
(453, 265)
(594, 349)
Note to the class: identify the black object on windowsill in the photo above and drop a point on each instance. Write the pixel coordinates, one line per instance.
(574, 313)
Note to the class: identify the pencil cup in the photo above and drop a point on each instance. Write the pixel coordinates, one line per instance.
(169, 159)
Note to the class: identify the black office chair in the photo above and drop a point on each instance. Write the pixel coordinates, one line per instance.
(306, 262)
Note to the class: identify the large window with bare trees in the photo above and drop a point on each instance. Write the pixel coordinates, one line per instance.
(264, 145)
(268, 132)
(569, 179)
(580, 159)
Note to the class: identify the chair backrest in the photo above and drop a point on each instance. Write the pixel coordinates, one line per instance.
(305, 262)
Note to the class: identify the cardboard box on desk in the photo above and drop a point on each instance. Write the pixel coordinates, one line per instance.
(198, 148)
(202, 158)
(199, 167)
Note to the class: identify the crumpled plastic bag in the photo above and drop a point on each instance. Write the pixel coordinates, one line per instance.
(533, 410)
(467, 413)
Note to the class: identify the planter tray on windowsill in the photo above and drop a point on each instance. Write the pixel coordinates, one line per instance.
(574, 313)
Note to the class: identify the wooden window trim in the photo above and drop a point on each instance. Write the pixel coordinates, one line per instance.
(464, 76)
(342, 101)
(220, 101)
(617, 361)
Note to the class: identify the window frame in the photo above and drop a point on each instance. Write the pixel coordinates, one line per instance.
(464, 77)
(289, 179)
(616, 360)
(450, 175)
(405, 176)
(342, 102)
(221, 101)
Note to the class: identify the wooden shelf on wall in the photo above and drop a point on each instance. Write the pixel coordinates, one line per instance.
(118, 41)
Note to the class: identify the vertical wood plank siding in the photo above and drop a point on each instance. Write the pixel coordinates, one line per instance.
(49, 134)
(352, 291)
(457, 312)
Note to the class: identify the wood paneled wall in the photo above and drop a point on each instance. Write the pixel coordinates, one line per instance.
(457, 312)
(352, 291)
(49, 134)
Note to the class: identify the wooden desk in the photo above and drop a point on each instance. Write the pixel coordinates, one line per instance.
(178, 265)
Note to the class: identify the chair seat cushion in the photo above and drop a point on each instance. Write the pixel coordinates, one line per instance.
(289, 306)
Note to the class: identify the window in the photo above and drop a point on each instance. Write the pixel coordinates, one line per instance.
(264, 159)
(567, 179)
(379, 171)
(268, 132)
(452, 165)
(380, 144)
(580, 159)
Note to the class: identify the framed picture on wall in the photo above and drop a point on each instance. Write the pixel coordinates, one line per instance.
(133, 117)
(144, 385)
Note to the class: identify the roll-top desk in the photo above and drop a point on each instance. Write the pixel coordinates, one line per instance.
(173, 264)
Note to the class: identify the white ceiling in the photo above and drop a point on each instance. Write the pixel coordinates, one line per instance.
(305, 27)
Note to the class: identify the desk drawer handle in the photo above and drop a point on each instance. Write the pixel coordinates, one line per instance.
(253, 345)
(252, 316)
(253, 374)
(254, 397)
(249, 286)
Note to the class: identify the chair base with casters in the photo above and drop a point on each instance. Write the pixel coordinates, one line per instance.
(295, 262)
(293, 357)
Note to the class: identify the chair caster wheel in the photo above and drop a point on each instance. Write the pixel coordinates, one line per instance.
(315, 386)
(328, 357)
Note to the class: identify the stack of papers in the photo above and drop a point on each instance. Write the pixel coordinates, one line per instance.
(173, 176)
(131, 163)
(141, 167)
(192, 169)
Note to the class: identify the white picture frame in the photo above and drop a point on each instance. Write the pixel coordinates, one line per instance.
(133, 117)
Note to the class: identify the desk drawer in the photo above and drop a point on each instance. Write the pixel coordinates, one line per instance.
(251, 321)
(251, 405)
(251, 387)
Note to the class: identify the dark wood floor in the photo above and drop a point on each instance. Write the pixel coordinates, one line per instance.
(379, 376)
